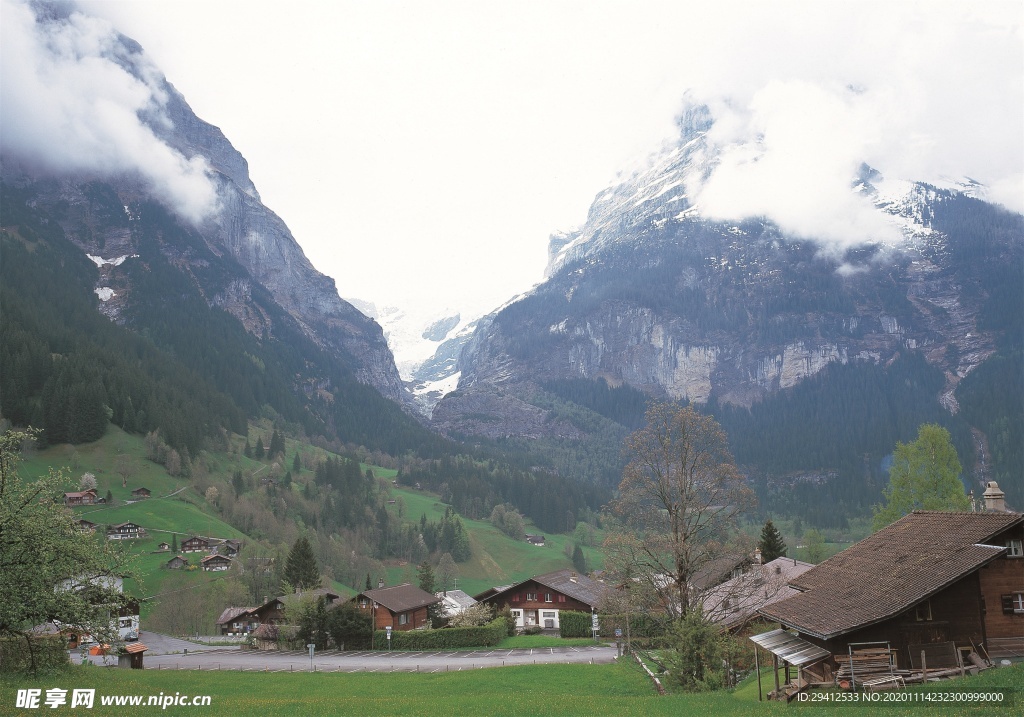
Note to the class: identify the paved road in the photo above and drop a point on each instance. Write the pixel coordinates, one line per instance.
(365, 661)
(157, 644)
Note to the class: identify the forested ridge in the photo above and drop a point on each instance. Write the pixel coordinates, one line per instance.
(176, 362)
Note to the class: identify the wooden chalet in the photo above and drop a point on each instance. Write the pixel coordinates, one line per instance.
(229, 547)
(86, 526)
(195, 544)
(125, 531)
(930, 579)
(274, 611)
(215, 563)
(163, 547)
(83, 497)
(141, 493)
(538, 600)
(536, 540)
(736, 601)
(237, 621)
(178, 562)
(402, 607)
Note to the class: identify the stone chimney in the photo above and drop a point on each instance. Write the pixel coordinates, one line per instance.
(757, 556)
(994, 498)
(380, 583)
(572, 577)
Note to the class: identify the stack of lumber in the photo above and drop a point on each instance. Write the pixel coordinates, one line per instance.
(865, 664)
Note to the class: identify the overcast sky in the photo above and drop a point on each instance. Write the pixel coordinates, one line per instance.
(423, 151)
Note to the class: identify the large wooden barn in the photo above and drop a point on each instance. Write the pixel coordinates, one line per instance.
(930, 578)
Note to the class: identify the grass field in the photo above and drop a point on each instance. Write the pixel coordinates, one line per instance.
(496, 559)
(564, 690)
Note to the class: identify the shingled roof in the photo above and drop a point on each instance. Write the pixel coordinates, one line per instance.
(401, 598)
(567, 582)
(891, 571)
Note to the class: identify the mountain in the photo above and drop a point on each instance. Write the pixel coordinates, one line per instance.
(227, 291)
(650, 295)
(426, 344)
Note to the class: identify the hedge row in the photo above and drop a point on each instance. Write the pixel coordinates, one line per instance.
(640, 625)
(573, 623)
(37, 654)
(447, 638)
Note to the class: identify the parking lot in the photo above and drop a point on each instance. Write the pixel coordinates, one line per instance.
(373, 661)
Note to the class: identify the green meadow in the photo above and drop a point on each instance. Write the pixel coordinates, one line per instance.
(496, 559)
(176, 507)
(564, 690)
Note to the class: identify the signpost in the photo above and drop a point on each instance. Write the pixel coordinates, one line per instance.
(311, 647)
(388, 630)
(594, 624)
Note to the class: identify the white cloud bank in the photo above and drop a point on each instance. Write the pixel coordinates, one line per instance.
(69, 103)
(806, 93)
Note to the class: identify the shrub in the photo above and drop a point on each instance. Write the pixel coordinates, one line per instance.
(695, 659)
(574, 624)
(510, 620)
(447, 638)
(641, 625)
(48, 653)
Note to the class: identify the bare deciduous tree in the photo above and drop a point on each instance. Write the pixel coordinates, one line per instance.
(680, 496)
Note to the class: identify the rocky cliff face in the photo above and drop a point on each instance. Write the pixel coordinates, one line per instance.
(240, 228)
(651, 294)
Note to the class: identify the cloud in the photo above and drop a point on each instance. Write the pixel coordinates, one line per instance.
(805, 93)
(73, 99)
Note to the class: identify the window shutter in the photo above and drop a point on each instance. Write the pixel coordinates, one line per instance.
(1007, 601)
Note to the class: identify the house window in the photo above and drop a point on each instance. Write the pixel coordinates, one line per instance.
(550, 614)
(1013, 603)
(530, 597)
(547, 597)
(403, 619)
(1016, 547)
(923, 612)
(364, 603)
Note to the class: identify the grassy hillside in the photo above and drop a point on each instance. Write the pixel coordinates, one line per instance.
(174, 508)
(178, 508)
(497, 559)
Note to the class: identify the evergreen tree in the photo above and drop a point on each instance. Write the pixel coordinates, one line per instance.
(174, 543)
(259, 452)
(579, 560)
(425, 576)
(296, 464)
(276, 444)
(247, 451)
(369, 584)
(109, 497)
(771, 544)
(301, 570)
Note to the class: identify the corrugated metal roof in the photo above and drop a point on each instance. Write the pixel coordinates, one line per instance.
(790, 648)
